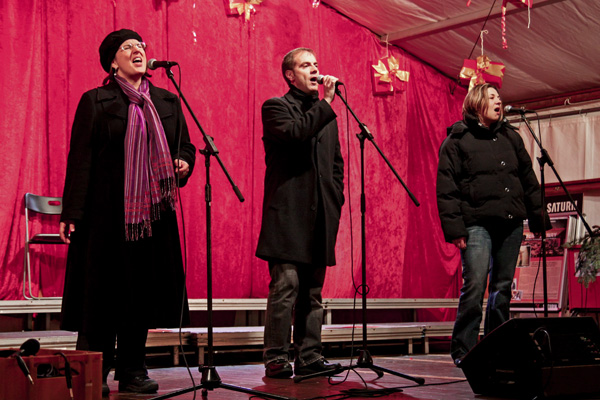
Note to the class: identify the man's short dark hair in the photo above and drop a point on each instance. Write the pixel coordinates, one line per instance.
(288, 60)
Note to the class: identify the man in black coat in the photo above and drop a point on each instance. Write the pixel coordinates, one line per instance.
(302, 203)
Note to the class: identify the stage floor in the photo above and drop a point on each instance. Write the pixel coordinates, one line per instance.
(443, 381)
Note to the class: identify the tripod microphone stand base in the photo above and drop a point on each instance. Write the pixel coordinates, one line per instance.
(364, 361)
(211, 380)
(210, 377)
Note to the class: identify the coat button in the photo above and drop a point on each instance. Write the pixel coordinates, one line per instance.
(502, 163)
(509, 216)
(506, 190)
(313, 207)
(494, 139)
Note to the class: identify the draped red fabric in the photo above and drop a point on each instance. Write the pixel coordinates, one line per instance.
(229, 67)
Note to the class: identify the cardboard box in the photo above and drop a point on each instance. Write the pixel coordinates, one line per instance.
(86, 369)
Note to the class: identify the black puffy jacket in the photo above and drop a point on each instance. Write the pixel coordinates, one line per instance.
(485, 178)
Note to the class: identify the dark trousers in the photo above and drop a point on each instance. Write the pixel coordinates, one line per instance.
(294, 297)
(130, 352)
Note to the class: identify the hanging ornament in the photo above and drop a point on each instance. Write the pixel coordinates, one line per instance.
(242, 7)
(387, 76)
(315, 3)
(517, 3)
(482, 70)
(387, 73)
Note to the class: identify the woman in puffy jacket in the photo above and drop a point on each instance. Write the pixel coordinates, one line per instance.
(486, 187)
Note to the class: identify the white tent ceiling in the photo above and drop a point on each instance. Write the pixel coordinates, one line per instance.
(557, 56)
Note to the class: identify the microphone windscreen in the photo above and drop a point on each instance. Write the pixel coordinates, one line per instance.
(30, 347)
(320, 79)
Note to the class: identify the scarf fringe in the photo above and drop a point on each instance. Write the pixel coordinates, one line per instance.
(138, 231)
(168, 201)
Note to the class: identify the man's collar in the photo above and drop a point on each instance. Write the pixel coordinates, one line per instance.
(304, 97)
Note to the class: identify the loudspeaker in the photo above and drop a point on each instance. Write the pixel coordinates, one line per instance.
(528, 357)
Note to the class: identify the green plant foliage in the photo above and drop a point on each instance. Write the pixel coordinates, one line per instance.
(588, 262)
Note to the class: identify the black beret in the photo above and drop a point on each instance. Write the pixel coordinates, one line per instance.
(111, 43)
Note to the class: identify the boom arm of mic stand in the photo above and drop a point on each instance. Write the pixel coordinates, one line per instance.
(211, 148)
(366, 134)
(545, 158)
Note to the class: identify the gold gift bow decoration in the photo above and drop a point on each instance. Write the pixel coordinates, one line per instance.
(244, 7)
(386, 75)
(484, 66)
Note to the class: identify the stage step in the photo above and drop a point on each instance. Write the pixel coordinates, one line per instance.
(60, 340)
(241, 336)
(244, 336)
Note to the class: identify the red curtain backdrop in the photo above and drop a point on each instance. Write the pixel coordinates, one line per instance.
(229, 67)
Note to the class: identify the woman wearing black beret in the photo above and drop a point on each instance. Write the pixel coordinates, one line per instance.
(130, 151)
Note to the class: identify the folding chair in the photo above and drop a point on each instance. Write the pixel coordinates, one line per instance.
(35, 204)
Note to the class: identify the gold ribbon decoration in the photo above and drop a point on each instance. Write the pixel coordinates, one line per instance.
(482, 70)
(244, 7)
(385, 75)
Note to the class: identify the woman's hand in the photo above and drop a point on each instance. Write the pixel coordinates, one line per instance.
(182, 168)
(64, 230)
(461, 243)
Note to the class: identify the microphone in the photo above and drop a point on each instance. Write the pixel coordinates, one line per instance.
(29, 348)
(154, 64)
(320, 81)
(519, 110)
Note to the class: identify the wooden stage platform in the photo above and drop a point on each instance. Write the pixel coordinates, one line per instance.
(443, 381)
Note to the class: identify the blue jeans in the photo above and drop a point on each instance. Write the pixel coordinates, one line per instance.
(491, 252)
(294, 296)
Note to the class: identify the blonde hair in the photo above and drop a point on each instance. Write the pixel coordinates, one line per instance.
(476, 102)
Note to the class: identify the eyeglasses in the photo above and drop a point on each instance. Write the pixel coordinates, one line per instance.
(129, 46)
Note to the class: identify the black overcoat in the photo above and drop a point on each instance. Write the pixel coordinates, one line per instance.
(111, 282)
(304, 168)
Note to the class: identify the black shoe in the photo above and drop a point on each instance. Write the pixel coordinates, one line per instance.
(105, 389)
(139, 384)
(278, 369)
(458, 361)
(320, 365)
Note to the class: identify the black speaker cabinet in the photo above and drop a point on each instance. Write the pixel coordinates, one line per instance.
(527, 357)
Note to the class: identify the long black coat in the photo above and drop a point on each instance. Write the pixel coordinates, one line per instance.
(304, 169)
(485, 177)
(110, 282)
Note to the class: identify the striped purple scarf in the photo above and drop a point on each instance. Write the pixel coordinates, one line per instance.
(149, 174)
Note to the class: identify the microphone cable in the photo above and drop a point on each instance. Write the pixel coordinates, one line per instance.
(68, 373)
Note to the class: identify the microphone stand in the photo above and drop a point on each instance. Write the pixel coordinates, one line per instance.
(210, 377)
(543, 160)
(365, 360)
